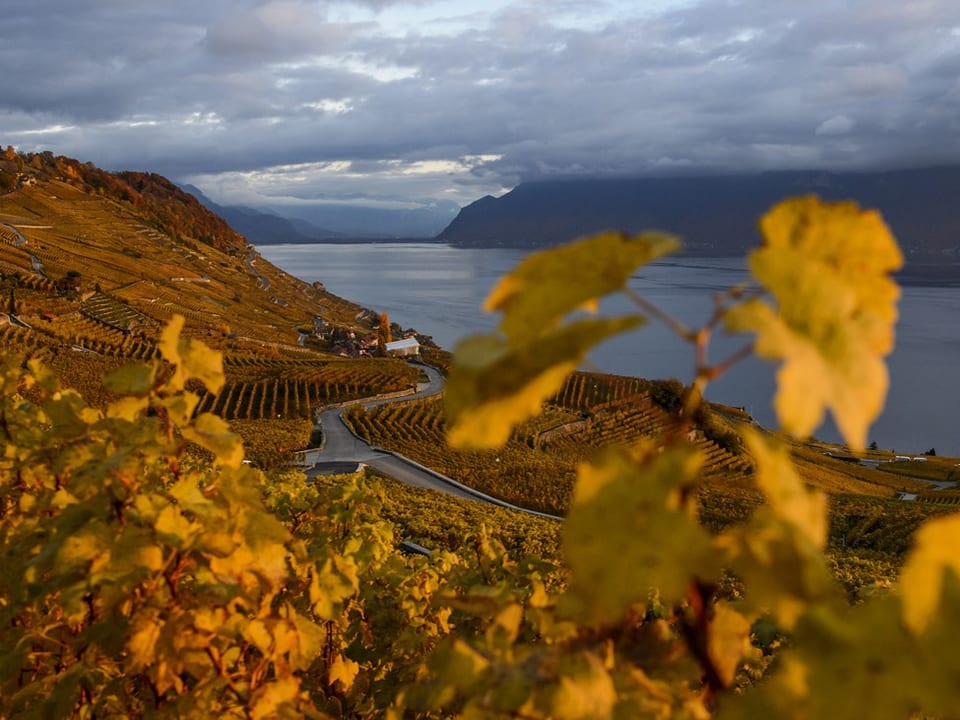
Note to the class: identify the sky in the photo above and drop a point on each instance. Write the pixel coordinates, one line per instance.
(432, 103)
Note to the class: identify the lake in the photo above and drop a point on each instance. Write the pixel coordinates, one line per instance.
(439, 289)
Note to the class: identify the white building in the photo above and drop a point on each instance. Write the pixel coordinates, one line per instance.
(403, 348)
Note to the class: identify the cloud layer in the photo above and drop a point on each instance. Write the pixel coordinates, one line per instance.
(403, 104)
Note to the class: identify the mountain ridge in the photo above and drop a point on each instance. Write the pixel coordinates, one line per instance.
(714, 215)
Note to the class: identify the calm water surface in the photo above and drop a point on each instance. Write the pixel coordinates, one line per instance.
(438, 290)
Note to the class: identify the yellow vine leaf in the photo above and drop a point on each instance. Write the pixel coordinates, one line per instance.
(135, 379)
(503, 631)
(259, 634)
(728, 642)
(627, 535)
(778, 553)
(127, 408)
(584, 690)
(213, 433)
(461, 666)
(548, 285)
(274, 696)
(827, 265)
(176, 529)
(191, 358)
(494, 385)
(142, 644)
(786, 495)
(851, 664)
(922, 579)
(343, 670)
(311, 639)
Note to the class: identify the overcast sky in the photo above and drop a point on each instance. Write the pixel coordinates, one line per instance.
(408, 103)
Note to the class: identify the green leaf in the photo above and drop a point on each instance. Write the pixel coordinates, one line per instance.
(827, 265)
(548, 285)
(628, 534)
(493, 385)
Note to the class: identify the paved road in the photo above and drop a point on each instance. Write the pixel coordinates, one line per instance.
(934, 485)
(341, 445)
(37, 265)
(251, 256)
(21, 240)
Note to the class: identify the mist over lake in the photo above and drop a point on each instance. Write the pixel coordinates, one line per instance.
(438, 290)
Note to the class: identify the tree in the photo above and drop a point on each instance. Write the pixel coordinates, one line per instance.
(383, 334)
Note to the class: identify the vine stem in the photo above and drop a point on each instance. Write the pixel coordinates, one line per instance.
(728, 362)
(648, 307)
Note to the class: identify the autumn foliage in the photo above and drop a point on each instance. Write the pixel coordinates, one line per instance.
(138, 580)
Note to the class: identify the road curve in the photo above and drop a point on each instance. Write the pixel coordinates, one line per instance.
(20, 240)
(341, 445)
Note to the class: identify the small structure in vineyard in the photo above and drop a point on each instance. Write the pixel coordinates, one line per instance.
(403, 348)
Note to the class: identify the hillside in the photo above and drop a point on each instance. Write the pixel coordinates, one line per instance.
(92, 265)
(715, 215)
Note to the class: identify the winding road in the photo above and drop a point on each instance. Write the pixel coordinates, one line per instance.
(251, 257)
(20, 239)
(341, 447)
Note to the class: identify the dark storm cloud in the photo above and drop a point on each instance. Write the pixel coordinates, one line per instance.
(309, 99)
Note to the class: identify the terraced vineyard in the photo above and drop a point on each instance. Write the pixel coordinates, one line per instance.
(585, 391)
(114, 314)
(940, 497)
(537, 467)
(268, 443)
(7, 236)
(23, 341)
(263, 387)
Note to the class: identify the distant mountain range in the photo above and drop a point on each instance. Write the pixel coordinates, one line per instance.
(353, 221)
(259, 227)
(713, 215)
(328, 223)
